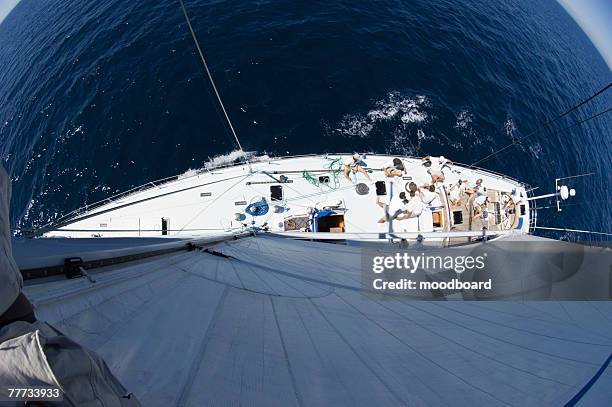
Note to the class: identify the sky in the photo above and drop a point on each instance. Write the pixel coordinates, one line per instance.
(5, 8)
(595, 19)
(593, 16)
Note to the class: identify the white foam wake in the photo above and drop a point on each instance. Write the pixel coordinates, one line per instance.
(395, 108)
(510, 128)
(222, 160)
(465, 126)
(464, 120)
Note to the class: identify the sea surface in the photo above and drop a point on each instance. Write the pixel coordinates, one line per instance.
(97, 97)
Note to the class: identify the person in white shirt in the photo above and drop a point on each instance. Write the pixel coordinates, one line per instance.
(480, 199)
(414, 207)
(429, 196)
(480, 202)
(403, 208)
(455, 192)
(436, 168)
(394, 207)
(444, 162)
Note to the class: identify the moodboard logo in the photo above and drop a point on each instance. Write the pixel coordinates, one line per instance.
(495, 270)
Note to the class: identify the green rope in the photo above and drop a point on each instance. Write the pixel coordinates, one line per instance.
(334, 167)
(306, 175)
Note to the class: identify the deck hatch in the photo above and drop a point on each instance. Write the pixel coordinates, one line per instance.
(381, 188)
(329, 221)
(202, 194)
(276, 192)
(457, 217)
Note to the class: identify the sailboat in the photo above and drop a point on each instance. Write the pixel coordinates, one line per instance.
(264, 318)
(311, 196)
(244, 284)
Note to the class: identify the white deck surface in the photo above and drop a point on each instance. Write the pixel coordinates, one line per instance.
(209, 201)
(283, 323)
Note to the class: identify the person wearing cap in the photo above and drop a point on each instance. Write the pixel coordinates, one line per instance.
(444, 162)
(34, 353)
(395, 168)
(354, 166)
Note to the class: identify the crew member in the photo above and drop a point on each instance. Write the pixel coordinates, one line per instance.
(354, 166)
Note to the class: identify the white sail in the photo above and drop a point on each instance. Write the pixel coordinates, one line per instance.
(279, 322)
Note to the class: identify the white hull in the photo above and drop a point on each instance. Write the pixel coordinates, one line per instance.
(208, 202)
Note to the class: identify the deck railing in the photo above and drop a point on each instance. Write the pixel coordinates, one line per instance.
(163, 181)
(533, 210)
(426, 238)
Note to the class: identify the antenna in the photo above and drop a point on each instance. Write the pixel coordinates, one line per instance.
(562, 192)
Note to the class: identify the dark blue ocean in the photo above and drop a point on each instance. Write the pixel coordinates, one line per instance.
(99, 96)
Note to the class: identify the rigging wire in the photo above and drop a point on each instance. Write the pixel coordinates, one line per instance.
(551, 121)
(212, 82)
(523, 138)
(30, 230)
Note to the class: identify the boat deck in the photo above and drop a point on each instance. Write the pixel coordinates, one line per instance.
(294, 188)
